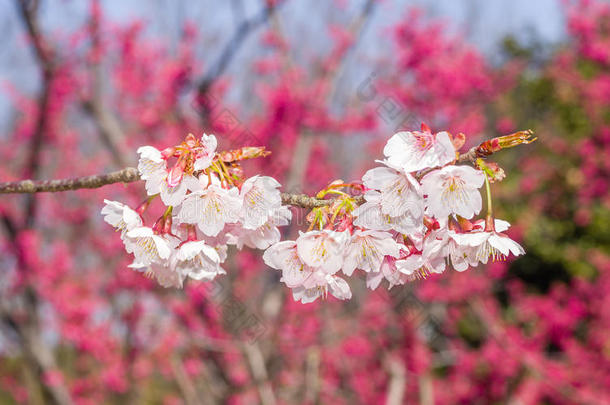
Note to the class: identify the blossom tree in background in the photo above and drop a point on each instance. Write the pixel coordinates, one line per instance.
(80, 326)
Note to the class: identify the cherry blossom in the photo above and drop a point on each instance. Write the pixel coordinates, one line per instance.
(389, 272)
(204, 153)
(408, 225)
(417, 150)
(146, 246)
(265, 235)
(121, 216)
(158, 183)
(197, 260)
(323, 249)
(337, 287)
(211, 208)
(260, 198)
(367, 249)
(400, 192)
(151, 162)
(370, 215)
(284, 256)
(490, 244)
(453, 190)
(165, 275)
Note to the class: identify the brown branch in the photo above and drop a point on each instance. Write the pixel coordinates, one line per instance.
(110, 130)
(398, 380)
(185, 385)
(258, 371)
(234, 44)
(43, 53)
(128, 175)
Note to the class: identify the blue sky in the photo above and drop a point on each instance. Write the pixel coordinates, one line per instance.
(483, 22)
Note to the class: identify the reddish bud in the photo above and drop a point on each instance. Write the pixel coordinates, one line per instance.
(431, 223)
(190, 141)
(168, 152)
(458, 140)
(175, 175)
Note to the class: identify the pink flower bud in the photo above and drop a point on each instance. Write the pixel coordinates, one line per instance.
(175, 175)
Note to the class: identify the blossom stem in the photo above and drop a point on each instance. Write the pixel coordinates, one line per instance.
(488, 190)
(144, 206)
(225, 171)
(332, 220)
(323, 193)
(489, 219)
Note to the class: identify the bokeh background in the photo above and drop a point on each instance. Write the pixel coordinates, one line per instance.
(322, 84)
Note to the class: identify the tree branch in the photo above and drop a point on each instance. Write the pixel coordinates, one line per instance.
(398, 380)
(110, 130)
(28, 9)
(127, 175)
(258, 370)
(236, 41)
(130, 174)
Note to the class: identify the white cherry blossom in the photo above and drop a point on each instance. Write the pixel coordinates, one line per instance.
(146, 246)
(478, 245)
(490, 244)
(389, 272)
(157, 183)
(121, 216)
(400, 192)
(260, 197)
(204, 155)
(151, 161)
(197, 260)
(210, 209)
(322, 249)
(370, 215)
(460, 253)
(453, 190)
(263, 236)
(337, 287)
(366, 251)
(284, 256)
(432, 259)
(414, 151)
(307, 283)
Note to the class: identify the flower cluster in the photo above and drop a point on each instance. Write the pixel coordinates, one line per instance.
(209, 205)
(417, 216)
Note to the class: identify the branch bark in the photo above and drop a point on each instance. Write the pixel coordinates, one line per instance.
(43, 54)
(110, 130)
(398, 380)
(258, 370)
(130, 174)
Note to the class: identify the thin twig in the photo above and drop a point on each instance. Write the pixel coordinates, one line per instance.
(230, 50)
(28, 9)
(398, 380)
(259, 373)
(185, 385)
(111, 133)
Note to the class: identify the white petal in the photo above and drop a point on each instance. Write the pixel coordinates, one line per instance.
(339, 288)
